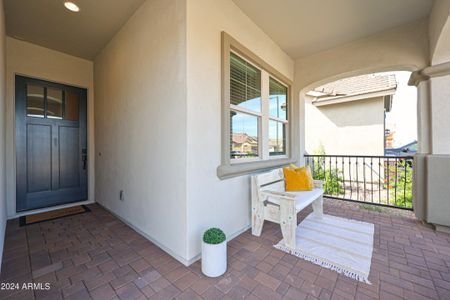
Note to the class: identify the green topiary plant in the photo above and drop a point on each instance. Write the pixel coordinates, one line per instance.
(214, 236)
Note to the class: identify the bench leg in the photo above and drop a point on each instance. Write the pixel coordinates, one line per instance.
(288, 222)
(257, 218)
(257, 209)
(318, 207)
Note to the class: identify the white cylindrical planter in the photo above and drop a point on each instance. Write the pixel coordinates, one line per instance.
(214, 259)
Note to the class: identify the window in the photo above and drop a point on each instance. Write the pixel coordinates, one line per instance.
(245, 108)
(52, 103)
(250, 112)
(35, 101)
(256, 114)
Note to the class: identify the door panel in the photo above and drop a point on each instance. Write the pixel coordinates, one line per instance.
(51, 144)
(69, 157)
(39, 158)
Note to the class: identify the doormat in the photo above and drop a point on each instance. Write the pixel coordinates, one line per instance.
(339, 244)
(52, 215)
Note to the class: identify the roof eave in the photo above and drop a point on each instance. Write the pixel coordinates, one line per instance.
(363, 96)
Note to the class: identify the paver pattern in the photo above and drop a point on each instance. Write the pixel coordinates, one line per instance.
(96, 256)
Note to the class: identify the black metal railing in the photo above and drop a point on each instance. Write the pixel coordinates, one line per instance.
(379, 180)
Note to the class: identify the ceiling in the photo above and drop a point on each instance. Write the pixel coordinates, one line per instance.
(304, 27)
(48, 23)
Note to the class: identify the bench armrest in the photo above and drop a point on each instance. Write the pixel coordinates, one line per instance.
(318, 184)
(280, 195)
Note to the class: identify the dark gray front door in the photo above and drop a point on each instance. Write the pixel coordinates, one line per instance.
(51, 145)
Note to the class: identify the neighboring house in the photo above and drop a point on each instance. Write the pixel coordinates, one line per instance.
(244, 145)
(347, 117)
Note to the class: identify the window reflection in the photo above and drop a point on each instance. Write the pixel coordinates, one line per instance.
(35, 101)
(71, 106)
(54, 103)
(244, 135)
(277, 138)
(277, 99)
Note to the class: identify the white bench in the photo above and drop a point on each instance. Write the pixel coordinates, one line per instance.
(271, 202)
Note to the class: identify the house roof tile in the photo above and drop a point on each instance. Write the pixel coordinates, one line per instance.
(353, 86)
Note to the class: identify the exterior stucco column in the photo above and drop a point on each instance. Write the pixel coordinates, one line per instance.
(424, 148)
(432, 163)
(424, 123)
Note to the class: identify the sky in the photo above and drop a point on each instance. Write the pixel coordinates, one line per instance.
(403, 117)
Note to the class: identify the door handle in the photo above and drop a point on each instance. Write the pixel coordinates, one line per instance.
(84, 158)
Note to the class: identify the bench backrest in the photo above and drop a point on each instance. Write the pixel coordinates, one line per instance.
(272, 180)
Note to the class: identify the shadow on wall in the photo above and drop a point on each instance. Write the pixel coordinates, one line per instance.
(356, 113)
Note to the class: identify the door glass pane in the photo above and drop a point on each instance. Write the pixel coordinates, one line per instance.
(71, 106)
(244, 135)
(245, 84)
(54, 103)
(35, 101)
(277, 138)
(277, 99)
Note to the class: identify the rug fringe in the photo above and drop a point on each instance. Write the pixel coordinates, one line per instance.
(353, 275)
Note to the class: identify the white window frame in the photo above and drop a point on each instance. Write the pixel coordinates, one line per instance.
(234, 167)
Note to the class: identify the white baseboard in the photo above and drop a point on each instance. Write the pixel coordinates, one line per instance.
(148, 237)
(186, 262)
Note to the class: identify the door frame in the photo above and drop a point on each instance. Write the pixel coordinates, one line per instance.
(82, 125)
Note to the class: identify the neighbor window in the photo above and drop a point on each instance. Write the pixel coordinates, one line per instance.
(256, 118)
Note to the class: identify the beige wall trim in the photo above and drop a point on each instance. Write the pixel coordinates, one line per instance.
(227, 169)
(429, 72)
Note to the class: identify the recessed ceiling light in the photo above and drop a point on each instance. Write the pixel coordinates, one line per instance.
(71, 6)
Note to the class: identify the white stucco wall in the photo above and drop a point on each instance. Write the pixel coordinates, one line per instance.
(140, 113)
(351, 128)
(439, 32)
(3, 216)
(211, 201)
(38, 62)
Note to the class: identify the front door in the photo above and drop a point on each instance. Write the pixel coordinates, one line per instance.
(51, 145)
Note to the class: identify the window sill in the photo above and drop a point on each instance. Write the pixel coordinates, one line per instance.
(226, 171)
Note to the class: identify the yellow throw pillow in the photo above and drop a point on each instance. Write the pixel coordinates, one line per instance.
(298, 179)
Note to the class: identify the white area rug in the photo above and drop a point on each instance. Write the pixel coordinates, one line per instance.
(339, 244)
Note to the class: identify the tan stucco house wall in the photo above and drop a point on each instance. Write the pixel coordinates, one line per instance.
(349, 128)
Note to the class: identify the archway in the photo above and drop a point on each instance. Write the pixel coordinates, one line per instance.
(304, 88)
(354, 173)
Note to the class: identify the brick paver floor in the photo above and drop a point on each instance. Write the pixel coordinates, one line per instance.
(94, 255)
